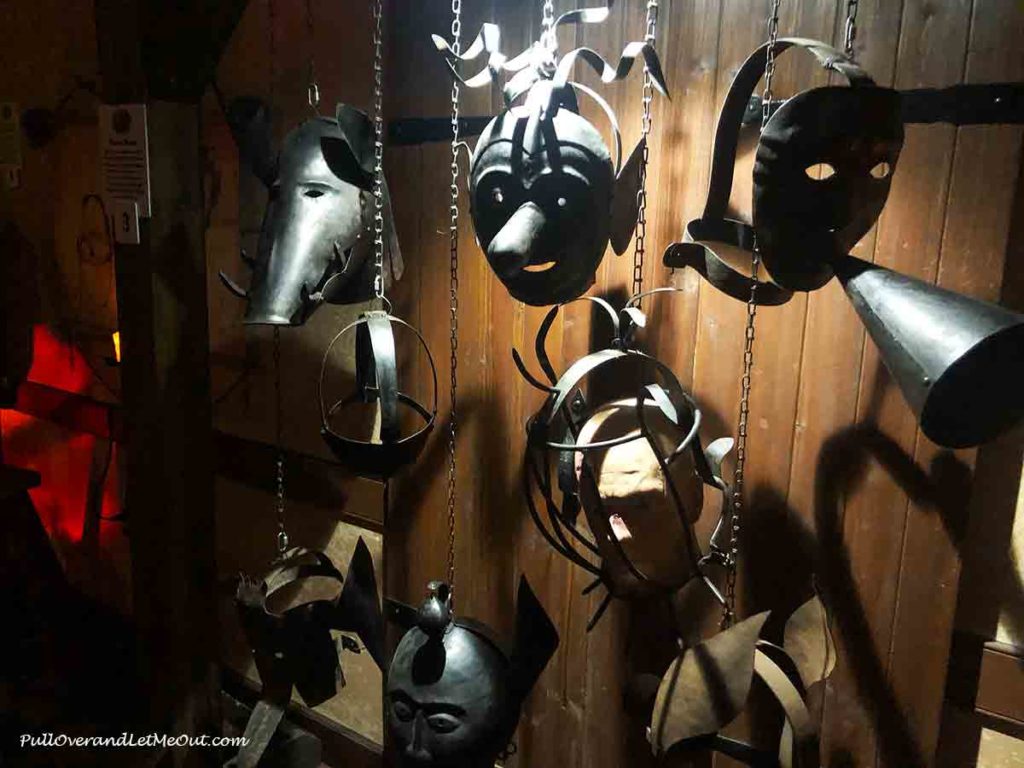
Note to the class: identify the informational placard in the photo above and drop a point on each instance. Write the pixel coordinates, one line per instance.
(10, 145)
(124, 156)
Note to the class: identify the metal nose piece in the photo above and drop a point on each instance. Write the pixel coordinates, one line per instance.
(518, 240)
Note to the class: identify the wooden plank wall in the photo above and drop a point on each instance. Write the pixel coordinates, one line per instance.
(832, 443)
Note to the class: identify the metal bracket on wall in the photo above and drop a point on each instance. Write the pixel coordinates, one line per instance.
(969, 104)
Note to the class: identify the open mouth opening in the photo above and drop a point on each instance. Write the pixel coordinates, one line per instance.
(539, 267)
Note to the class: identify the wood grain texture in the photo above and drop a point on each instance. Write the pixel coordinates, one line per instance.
(822, 495)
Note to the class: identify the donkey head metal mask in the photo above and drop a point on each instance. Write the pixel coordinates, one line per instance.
(546, 194)
(315, 240)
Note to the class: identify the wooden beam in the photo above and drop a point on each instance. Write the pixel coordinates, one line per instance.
(162, 307)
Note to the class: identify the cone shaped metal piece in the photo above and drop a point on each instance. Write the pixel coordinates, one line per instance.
(959, 361)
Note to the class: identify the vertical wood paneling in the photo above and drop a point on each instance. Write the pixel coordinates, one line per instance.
(815, 375)
(972, 255)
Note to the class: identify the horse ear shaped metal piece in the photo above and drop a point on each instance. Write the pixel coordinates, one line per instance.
(315, 240)
(546, 196)
(293, 646)
(631, 461)
(816, 192)
(707, 686)
(376, 383)
(454, 692)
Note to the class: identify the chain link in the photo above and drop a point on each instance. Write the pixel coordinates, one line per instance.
(640, 247)
(453, 237)
(851, 27)
(282, 534)
(729, 611)
(312, 88)
(378, 149)
(548, 36)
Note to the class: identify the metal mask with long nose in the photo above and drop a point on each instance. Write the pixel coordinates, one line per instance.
(546, 194)
(454, 692)
(315, 240)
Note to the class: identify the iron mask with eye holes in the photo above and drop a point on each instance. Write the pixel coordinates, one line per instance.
(822, 175)
(454, 694)
(315, 239)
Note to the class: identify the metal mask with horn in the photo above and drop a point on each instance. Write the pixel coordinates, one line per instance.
(315, 239)
(629, 456)
(454, 692)
(546, 195)
(290, 634)
(822, 174)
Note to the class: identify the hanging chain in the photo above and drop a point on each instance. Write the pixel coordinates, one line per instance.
(548, 36)
(729, 611)
(282, 534)
(453, 295)
(640, 248)
(851, 27)
(378, 150)
(272, 44)
(312, 87)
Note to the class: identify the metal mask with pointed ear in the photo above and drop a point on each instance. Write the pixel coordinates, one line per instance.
(546, 195)
(316, 235)
(454, 693)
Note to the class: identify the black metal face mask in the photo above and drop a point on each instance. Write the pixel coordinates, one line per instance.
(293, 647)
(822, 173)
(315, 242)
(453, 693)
(633, 463)
(545, 195)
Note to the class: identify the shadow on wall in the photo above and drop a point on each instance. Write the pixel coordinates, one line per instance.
(787, 556)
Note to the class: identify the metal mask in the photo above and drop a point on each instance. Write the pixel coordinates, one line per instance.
(381, 456)
(545, 195)
(315, 239)
(293, 647)
(454, 694)
(634, 465)
(822, 173)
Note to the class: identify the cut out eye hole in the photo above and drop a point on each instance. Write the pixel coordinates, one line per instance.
(403, 711)
(497, 195)
(882, 170)
(314, 192)
(442, 723)
(820, 171)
